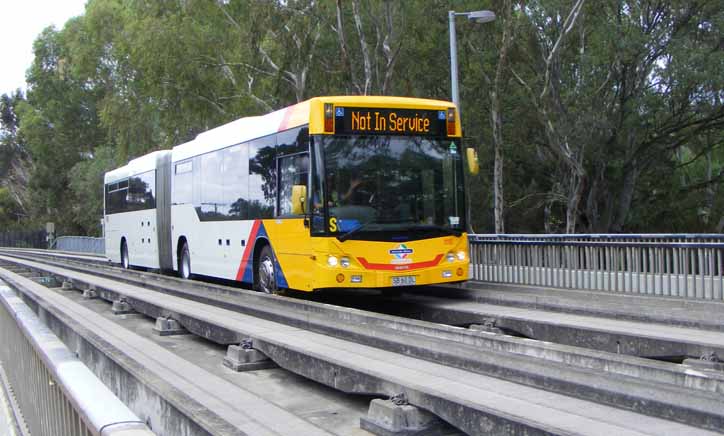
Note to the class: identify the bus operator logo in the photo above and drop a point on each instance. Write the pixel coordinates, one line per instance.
(401, 254)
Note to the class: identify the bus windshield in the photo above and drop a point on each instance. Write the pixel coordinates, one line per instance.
(379, 185)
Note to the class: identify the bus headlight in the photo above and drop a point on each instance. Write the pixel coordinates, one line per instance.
(344, 262)
(332, 261)
(461, 255)
(450, 257)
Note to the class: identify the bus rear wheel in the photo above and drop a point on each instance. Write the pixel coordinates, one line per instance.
(265, 271)
(184, 262)
(124, 255)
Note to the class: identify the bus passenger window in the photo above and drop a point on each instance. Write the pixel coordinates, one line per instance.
(182, 182)
(212, 206)
(293, 170)
(262, 177)
(235, 181)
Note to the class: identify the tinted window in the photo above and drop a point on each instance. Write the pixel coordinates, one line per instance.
(141, 191)
(316, 191)
(293, 170)
(212, 204)
(135, 193)
(293, 141)
(262, 177)
(182, 182)
(235, 175)
(293, 165)
(115, 198)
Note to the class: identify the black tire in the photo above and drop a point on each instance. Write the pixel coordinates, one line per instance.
(184, 262)
(266, 280)
(125, 262)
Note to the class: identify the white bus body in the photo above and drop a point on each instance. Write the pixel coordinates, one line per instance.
(216, 247)
(136, 204)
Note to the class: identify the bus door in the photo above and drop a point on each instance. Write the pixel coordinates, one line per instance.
(290, 231)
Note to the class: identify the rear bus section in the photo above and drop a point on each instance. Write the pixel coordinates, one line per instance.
(137, 218)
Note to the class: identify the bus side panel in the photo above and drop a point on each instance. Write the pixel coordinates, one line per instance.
(216, 247)
(292, 246)
(141, 234)
(113, 238)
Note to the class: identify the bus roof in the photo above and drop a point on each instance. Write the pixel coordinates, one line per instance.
(138, 165)
(307, 112)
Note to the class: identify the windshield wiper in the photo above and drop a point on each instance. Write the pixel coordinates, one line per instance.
(362, 226)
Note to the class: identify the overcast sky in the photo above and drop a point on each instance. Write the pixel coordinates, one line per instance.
(20, 23)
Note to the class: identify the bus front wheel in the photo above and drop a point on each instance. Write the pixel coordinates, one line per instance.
(266, 273)
(124, 255)
(184, 262)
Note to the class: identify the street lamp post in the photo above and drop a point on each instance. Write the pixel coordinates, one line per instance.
(475, 16)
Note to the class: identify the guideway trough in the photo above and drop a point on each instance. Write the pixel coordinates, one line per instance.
(473, 402)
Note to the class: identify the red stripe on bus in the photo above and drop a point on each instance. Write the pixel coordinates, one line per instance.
(399, 267)
(247, 250)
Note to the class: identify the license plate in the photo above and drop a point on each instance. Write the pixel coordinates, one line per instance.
(404, 281)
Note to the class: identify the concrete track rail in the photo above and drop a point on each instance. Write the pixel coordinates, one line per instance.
(605, 333)
(202, 403)
(674, 311)
(314, 316)
(274, 341)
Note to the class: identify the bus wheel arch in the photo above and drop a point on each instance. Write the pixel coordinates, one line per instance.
(183, 256)
(125, 262)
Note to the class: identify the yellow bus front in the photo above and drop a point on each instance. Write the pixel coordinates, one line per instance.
(385, 198)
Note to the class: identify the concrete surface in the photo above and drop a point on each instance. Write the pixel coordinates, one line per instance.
(481, 403)
(698, 313)
(272, 396)
(623, 336)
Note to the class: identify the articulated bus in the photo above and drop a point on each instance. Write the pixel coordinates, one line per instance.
(334, 192)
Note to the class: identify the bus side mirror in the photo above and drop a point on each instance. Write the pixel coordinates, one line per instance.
(299, 193)
(473, 165)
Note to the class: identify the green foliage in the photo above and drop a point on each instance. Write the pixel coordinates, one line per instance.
(636, 97)
(86, 188)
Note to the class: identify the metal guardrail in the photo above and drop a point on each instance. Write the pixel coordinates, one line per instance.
(80, 244)
(56, 393)
(676, 265)
(24, 239)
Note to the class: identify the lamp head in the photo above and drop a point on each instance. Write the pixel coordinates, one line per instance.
(481, 16)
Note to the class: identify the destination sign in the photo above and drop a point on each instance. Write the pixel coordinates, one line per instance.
(375, 121)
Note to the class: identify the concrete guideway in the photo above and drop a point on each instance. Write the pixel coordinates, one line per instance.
(448, 392)
(576, 370)
(675, 311)
(212, 405)
(626, 391)
(637, 338)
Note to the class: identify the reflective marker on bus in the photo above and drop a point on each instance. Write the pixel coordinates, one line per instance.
(334, 192)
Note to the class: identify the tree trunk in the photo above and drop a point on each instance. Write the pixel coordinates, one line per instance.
(625, 198)
(575, 193)
(497, 122)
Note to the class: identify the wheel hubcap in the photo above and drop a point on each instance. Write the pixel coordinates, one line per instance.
(185, 267)
(266, 275)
